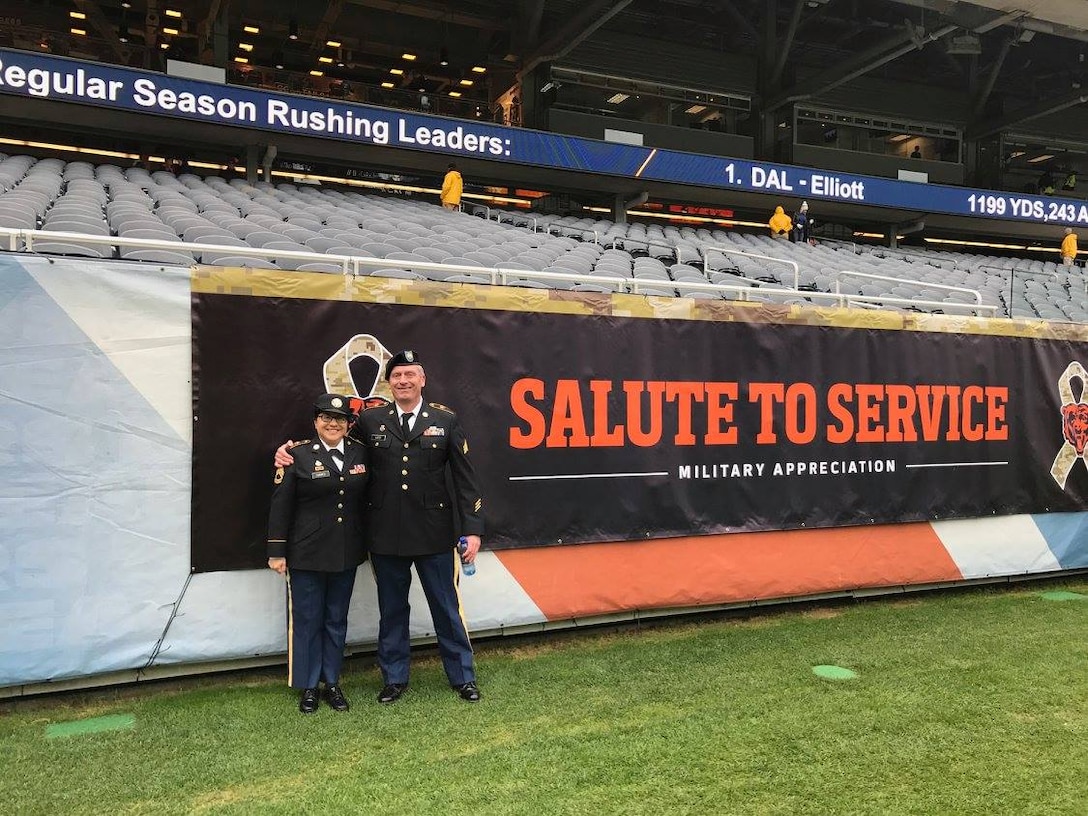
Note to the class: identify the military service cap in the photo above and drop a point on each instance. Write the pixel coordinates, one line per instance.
(406, 357)
(333, 404)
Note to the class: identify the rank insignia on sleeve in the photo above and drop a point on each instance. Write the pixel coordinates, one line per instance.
(279, 476)
(464, 447)
(479, 504)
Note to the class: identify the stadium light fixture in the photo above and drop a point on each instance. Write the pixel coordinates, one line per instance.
(388, 85)
(170, 31)
(172, 13)
(325, 60)
(251, 29)
(246, 46)
(1041, 158)
(292, 29)
(122, 33)
(455, 94)
(125, 4)
(242, 60)
(333, 43)
(407, 55)
(396, 71)
(77, 15)
(79, 32)
(444, 57)
(696, 109)
(465, 83)
(616, 98)
(317, 73)
(478, 69)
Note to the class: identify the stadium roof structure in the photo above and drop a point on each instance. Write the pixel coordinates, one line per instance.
(1028, 50)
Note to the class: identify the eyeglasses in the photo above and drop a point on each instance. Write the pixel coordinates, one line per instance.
(333, 419)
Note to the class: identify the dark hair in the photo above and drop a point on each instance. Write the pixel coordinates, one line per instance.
(451, 166)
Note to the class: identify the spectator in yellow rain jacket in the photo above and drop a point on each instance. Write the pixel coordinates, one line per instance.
(451, 188)
(780, 223)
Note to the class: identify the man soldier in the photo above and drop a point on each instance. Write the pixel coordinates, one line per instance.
(422, 494)
(414, 517)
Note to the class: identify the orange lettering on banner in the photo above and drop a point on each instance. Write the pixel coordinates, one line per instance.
(766, 394)
(684, 394)
(519, 393)
(794, 432)
(996, 399)
(859, 413)
(720, 413)
(602, 436)
(568, 417)
(869, 427)
(656, 389)
(953, 414)
(972, 431)
(837, 397)
(930, 402)
(902, 404)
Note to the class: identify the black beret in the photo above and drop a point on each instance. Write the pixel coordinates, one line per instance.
(406, 357)
(333, 404)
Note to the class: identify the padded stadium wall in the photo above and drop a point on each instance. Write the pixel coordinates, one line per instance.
(96, 579)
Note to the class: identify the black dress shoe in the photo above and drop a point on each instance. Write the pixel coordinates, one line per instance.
(309, 701)
(468, 692)
(391, 692)
(336, 699)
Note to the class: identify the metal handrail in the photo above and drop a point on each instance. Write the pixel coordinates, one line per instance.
(909, 282)
(352, 264)
(729, 251)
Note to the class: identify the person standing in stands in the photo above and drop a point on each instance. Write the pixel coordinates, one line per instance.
(1069, 247)
(452, 186)
(780, 223)
(800, 234)
(316, 540)
(916, 153)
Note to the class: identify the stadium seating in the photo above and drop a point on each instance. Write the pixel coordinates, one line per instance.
(250, 224)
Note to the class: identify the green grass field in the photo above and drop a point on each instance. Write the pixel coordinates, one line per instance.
(966, 702)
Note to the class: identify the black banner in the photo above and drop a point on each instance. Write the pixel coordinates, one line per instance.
(597, 427)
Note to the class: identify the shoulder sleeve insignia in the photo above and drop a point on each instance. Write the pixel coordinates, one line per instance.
(279, 476)
(302, 442)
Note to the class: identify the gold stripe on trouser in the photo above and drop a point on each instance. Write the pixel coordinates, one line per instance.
(457, 592)
(290, 633)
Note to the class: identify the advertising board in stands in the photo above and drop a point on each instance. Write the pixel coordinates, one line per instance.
(44, 76)
(600, 420)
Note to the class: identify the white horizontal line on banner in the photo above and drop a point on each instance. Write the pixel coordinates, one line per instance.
(587, 476)
(956, 464)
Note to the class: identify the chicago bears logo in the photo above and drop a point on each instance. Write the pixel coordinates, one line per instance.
(1074, 423)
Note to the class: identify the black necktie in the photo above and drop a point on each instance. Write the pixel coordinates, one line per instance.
(337, 458)
(406, 424)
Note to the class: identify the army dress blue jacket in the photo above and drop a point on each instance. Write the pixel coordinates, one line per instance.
(317, 515)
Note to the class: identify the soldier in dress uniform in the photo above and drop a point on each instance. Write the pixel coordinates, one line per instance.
(423, 493)
(316, 539)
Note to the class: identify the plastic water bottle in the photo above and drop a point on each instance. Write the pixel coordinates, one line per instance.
(462, 547)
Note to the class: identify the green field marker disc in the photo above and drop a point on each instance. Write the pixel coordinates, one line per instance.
(94, 725)
(834, 673)
(1062, 595)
